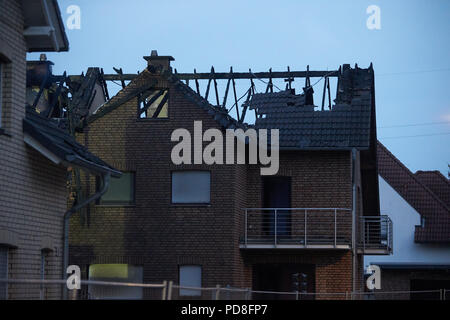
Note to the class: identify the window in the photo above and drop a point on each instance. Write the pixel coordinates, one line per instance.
(3, 272)
(153, 104)
(190, 276)
(42, 291)
(191, 187)
(120, 190)
(115, 273)
(1, 93)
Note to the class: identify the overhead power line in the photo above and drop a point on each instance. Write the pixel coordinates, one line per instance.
(415, 124)
(418, 135)
(411, 72)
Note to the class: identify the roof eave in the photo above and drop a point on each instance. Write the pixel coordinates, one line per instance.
(43, 26)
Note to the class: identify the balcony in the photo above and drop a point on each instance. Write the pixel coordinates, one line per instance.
(297, 228)
(313, 228)
(376, 235)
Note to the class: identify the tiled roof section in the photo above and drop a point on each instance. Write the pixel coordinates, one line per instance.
(274, 102)
(61, 144)
(347, 125)
(419, 196)
(437, 183)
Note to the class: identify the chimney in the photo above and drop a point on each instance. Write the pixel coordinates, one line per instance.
(158, 64)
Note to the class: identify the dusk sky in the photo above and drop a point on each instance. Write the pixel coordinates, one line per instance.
(410, 53)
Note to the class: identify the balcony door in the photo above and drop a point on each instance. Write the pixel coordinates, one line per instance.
(277, 194)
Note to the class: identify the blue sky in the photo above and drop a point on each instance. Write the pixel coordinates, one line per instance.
(410, 53)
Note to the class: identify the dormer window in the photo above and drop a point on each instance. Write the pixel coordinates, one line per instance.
(154, 104)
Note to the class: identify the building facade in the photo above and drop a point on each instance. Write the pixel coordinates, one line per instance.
(415, 202)
(35, 156)
(226, 224)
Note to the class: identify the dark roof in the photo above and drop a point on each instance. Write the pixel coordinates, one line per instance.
(347, 125)
(147, 80)
(437, 183)
(412, 266)
(61, 144)
(418, 195)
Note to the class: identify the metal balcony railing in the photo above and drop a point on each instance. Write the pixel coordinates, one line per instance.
(315, 228)
(376, 235)
(297, 228)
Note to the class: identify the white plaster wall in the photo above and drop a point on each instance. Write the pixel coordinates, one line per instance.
(404, 219)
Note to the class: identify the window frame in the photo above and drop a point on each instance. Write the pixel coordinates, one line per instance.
(132, 203)
(2, 68)
(43, 271)
(202, 204)
(102, 295)
(139, 101)
(7, 272)
(193, 292)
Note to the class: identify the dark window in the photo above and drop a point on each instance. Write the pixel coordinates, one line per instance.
(1, 93)
(191, 187)
(190, 276)
(43, 290)
(3, 272)
(154, 104)
(120, 190)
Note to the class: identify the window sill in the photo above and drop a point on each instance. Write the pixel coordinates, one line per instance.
(152, 119)
(116, 205)
(201, 205)
(4, 133)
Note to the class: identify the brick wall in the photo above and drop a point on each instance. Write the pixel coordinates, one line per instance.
(32, 189)
(161, 236)
(319, 179)
(155, 233)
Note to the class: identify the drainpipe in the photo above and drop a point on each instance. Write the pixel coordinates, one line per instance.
(354, 250)
(105, 184)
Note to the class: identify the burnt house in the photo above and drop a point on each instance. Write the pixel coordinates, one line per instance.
(207, 225)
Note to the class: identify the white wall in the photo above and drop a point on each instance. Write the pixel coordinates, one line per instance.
(404, 219)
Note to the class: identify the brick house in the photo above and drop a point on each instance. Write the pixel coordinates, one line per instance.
(419, 206)
(35, 156)
(203, 225)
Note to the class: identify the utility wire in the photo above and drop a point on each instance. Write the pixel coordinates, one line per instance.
(419, 135)
(415, 124)
(265, 82)
(246, 92)
(411, 72)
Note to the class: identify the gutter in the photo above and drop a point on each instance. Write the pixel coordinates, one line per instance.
(354, 251)
(105, 184)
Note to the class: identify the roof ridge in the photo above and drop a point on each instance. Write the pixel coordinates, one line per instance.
(413, 176)
(436, 172)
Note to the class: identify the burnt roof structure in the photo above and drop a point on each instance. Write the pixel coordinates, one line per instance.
(347, 125)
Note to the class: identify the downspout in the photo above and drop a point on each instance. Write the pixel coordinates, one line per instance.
(354, 250)
(105, 184)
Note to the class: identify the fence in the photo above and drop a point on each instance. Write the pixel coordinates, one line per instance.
(34, 289)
